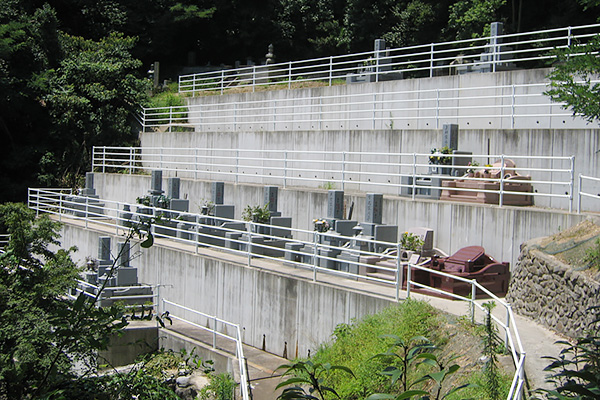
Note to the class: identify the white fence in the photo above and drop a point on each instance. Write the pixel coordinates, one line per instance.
(406, 174)
(202, 321)
(589, 187)
(489, 54)
(310, 250)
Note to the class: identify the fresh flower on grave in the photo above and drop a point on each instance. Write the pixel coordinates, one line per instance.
(410, 241)
(473, 164)
(321, 225)
(438, 156)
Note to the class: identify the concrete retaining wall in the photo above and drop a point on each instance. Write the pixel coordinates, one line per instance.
(496, 105)
(547, 291)
(527, 143)
(499, 230)
(306, 312)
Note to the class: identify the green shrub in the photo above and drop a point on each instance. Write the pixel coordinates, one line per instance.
(221, 387)
(356, 344)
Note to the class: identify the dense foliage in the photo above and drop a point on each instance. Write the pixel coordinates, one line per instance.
(406, 351)
(49, 343)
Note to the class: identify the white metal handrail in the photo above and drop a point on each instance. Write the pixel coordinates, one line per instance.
(4, 240)
(388, 173)
(585, 185)
(508, 106)
(244, 382)
(491, 54)
(313, 250)
(512, 338)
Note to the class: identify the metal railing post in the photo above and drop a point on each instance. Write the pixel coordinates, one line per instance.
(399, 271)
(289, 75)
(500, 201)
(330, 70)
(60, 207)
(374, 109)
(315, 254)
(571, 183)
(103, 159)
(377, 54)
(512, 108)
(253, 78)
(506, 342)
(437, 108)
(414, 176)
(249, 245)
(408, 278)
(343, 169)
(86, 211)
(131, 160)
(431, 61)
(473, 296)
(222, 80)
(579, 182)
(170, 118)
(215, 332)
(143, 120)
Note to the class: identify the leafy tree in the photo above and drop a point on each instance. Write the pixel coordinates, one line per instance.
(43, 335)
(90, 98)
(470, 18)
(571, 79)
(312, 27)
(416, 24)
(60, 94)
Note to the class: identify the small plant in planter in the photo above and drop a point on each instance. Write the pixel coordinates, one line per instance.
(207, 208)
(257, 214)
(321, 225)
(162, 201)
(471, 170)
(411, 242)
(143, 200)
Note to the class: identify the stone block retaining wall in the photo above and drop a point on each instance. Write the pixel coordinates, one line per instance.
(552, 293)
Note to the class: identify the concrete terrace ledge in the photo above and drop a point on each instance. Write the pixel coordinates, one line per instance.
(499, 230)
(275, 303)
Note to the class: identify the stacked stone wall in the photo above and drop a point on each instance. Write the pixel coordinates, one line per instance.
(552, 293)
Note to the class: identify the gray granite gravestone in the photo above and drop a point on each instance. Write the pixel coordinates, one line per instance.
(104, 250)
(156, 183)
(335, 204)
(173, 185)
(123, 254)
(373, 208)
(450, 136)
(89, 185)
(270, 197)
(217, 192)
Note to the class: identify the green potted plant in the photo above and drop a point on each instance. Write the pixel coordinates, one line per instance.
(410, 244)
(259, 215)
